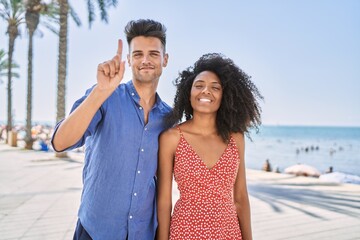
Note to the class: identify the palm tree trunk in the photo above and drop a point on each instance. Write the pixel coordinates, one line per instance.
(9, 87)
(62, 63)
(28, 138)
(32, 17)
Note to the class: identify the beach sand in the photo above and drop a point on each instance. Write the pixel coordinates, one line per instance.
(40, 196)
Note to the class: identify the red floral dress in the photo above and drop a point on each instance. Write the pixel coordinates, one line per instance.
(206, 208)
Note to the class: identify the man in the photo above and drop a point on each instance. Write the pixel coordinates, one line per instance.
(120, 125)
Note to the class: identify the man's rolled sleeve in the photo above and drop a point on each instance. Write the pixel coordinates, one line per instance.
(89, 131)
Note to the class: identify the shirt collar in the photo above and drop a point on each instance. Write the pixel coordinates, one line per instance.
(133, 93)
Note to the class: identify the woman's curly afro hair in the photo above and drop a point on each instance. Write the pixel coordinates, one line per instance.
(239, 109)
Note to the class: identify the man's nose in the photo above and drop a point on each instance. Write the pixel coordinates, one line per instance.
(145, 59)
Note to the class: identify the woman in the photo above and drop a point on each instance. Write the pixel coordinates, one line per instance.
(206, 153)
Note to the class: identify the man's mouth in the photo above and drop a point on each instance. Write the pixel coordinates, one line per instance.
(147, 68)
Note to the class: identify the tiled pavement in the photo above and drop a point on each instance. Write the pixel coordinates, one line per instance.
(40, 195)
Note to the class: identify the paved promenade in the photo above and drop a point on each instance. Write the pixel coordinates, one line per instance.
(40, 195)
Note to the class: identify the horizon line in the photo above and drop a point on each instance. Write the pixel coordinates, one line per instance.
(53, 122)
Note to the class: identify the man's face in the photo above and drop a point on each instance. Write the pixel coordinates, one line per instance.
(146, 59)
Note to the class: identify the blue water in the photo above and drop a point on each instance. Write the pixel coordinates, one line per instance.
(284, 146)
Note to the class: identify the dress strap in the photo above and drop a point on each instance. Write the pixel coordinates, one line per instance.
(178, 128)
(232, 141)
(233, 144)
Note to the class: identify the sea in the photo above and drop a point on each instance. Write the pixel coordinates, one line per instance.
(320, 147)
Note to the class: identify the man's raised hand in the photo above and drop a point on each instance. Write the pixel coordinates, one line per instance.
(111, 72)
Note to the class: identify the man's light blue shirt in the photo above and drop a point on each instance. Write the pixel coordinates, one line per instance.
(121, 151)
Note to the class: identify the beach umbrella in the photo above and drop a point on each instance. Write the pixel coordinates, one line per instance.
(303, 170)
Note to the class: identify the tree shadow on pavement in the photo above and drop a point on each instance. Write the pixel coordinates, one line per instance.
(280, 197)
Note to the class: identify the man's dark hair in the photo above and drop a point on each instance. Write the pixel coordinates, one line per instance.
(239, 109)
(146, 28)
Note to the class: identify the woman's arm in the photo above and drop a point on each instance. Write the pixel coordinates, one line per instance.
(241, 197)
(167, 147)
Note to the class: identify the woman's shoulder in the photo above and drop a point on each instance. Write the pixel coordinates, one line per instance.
(238, 138)
(171, 135)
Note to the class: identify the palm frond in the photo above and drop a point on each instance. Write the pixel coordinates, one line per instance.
(103, 12)
(51, 10)
(91, 12)
(38, 33)
(15, 75)
(103, 6)
(2, 53)
(74, 16)
(51, 27)
(112, 3)
(50, 17)
(4, 63)
(12, 9)
(5, 3)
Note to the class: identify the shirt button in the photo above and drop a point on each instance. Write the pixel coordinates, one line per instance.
(140, 108)
(130, 217)
(139, 172)
(142, 149)
(135, 194)
(145, 129)
(132, 94)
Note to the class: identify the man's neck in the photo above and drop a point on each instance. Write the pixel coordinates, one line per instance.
(147, 92)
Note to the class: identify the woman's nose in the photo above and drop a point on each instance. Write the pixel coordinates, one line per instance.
(206, 90)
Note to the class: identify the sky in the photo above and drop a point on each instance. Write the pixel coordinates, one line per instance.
(304, 56)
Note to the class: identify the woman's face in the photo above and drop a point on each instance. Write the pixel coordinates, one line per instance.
(206, 93)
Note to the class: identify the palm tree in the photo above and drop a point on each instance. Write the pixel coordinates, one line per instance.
(4, 72)
(4, 67)
(65, 10)
(12, 12)
(35, 11)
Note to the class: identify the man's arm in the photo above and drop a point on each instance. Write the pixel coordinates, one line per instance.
(109, 76)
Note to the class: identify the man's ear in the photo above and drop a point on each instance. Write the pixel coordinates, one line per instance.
(166, 58)
(128, 59)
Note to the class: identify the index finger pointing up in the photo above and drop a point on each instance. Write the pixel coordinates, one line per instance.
(120, 47)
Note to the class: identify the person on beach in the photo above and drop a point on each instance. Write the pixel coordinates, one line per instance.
(206, 153)
(120, 125)
(267, 166)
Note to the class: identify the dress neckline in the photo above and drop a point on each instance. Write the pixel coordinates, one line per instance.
(218, 161)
